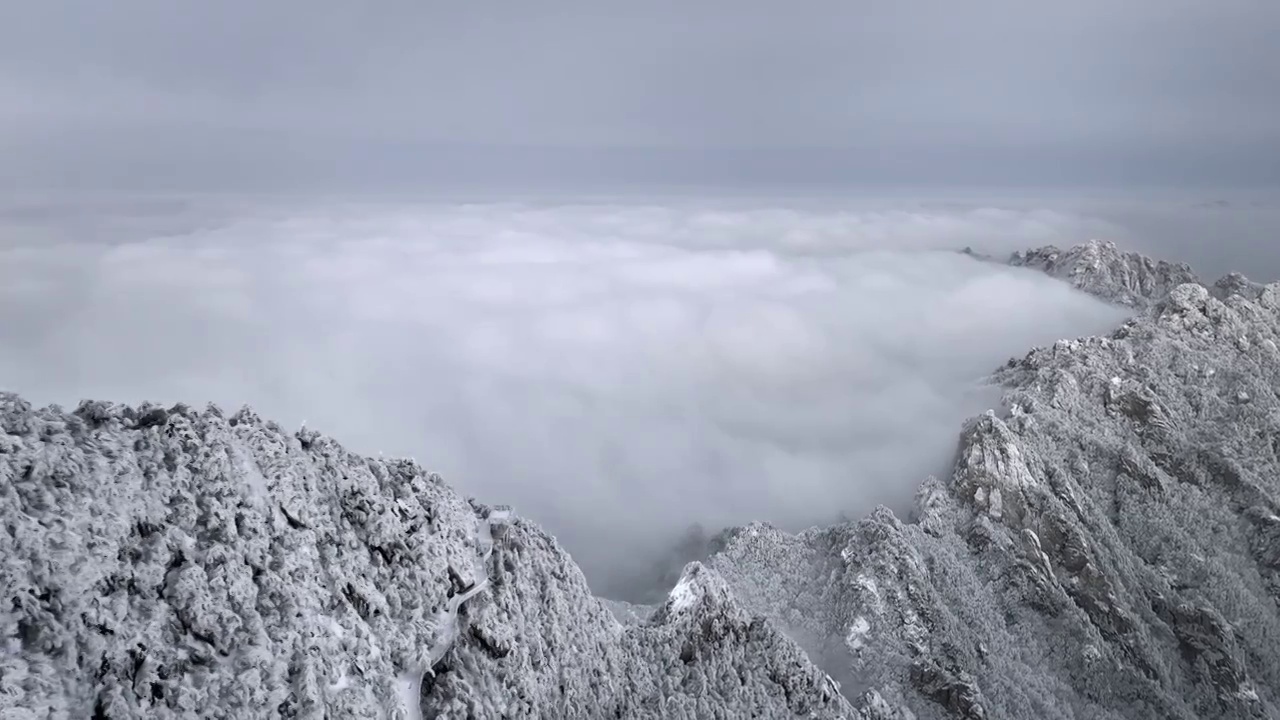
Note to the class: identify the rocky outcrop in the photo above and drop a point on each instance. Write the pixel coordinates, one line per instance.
(1237, 284)
(1106, 546)
(1100, 268)
(180, 563)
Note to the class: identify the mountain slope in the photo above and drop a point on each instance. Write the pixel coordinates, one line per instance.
(179, 563)
(1109, 547)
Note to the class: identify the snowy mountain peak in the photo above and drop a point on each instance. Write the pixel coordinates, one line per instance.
(1102, 269)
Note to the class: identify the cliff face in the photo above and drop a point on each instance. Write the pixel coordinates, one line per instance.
(1107, 547)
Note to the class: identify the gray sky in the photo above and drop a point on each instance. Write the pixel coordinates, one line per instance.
(292, 94)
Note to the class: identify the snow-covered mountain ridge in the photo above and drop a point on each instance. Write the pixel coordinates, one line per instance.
(183, 563)
(1107, 547)
(1101, 269)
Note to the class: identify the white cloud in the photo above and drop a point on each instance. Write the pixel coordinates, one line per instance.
(616, 372)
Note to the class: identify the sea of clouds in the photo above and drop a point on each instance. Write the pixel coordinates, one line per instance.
(617, 371)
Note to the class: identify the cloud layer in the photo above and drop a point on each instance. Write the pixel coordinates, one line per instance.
(617, 372)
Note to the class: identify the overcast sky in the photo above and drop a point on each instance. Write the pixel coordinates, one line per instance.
(244, 95)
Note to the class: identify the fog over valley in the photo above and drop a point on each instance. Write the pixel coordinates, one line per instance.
(617, 370)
